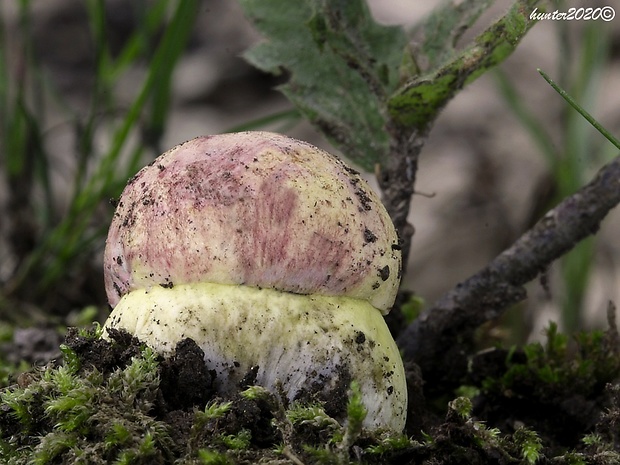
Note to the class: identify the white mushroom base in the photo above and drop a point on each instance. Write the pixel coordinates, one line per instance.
(308, 344)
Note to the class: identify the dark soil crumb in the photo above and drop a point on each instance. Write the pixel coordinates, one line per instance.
(105, 356)
(335, 399)
(185, 379)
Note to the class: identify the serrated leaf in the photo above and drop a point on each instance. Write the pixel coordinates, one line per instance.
(446, 24)
(417, 103)
(342, 65)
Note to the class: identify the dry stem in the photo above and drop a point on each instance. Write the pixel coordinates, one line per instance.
(433, 339)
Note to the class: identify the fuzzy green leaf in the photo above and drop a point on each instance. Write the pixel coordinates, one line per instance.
(341, 63)
(445, 26)
(417, 103)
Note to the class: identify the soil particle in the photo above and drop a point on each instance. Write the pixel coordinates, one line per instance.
(369, 235)
(185, 379)
(105, 356)
(253, 415)
(362, 196)
(332, 393)
(249, 378)
(384, 273)
(180, 422)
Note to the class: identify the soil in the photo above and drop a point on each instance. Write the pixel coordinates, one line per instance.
(512, 398)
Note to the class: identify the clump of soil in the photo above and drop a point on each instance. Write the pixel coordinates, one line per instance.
(116, 400)
(185, 384)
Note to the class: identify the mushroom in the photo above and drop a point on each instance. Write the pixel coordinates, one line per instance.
(274, 257)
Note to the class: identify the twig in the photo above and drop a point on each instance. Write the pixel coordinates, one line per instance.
(397, 180)
(288, 453)
(434, 340)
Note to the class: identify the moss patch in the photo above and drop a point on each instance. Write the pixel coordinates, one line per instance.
(118, 402)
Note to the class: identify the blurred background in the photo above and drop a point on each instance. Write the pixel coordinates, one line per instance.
(90, 91)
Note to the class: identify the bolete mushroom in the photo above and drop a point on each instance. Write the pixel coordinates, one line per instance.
(274, 257)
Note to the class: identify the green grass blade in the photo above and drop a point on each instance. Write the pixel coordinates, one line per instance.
(173, 45)
(76, 235)
(589, 118)
(139, 42)
(160, 65)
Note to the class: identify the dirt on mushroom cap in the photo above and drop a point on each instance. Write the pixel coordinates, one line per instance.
(253, 208)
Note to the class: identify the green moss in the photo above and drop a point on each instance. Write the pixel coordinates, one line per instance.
(211, 457)
(69, 415)
(212, 411)
(239, 441)
(530, 444)
(313, 415)
(582, 366)
(107, 403)
(564, 388)
(462, 406)
(255, 393)
(389, 443)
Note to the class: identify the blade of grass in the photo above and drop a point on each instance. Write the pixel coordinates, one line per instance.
(108, 70)
(31, 100)
(24, 153)
(105, 173)
(85, 127)
(138, 44)
(62, 245)
(584, 87)
(589, 118)
(576, 266)
(4, 78)
(178, 33)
